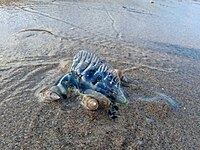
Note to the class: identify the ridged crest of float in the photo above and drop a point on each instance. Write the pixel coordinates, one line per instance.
(95, 70)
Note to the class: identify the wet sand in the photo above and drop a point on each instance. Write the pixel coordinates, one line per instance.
(163, 110)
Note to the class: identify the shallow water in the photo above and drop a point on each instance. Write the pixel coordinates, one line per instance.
(155, 44)
(137, 22)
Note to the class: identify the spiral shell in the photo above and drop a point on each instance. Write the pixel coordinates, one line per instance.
(105, 103)
(90, 103)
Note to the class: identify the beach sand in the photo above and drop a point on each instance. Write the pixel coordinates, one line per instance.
(163, 110)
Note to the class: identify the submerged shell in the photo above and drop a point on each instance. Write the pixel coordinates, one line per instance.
(91, 72)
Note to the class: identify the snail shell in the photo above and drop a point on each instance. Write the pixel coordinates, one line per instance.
(105, 103)
(50, 95)
(90, 103)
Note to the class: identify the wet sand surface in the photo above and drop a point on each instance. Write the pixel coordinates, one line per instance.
(155, 44)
